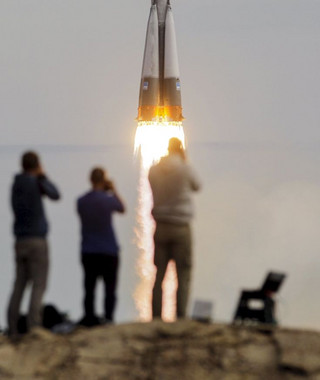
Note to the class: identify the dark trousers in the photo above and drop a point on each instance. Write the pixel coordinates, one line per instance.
(172, 242)
(96, 266)
(32, 264)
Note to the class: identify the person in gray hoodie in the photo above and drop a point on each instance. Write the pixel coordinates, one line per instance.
(30, 230)
(172, 182)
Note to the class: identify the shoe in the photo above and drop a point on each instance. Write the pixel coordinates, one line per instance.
(89, 321)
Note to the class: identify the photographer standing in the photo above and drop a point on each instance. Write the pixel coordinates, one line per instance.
(31, 247)
(99, 247)
(172, 182)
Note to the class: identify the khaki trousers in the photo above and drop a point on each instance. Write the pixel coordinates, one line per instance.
(172, 242)
(31, 267)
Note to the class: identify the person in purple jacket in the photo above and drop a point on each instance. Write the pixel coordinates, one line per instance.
(99, 246)
(31, 248)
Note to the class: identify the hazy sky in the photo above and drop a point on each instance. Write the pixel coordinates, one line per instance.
(249, 69)
(70, 75)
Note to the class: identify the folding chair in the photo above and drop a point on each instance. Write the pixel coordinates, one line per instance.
(247, 309)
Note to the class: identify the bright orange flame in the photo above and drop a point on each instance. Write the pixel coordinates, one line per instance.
(152, 141)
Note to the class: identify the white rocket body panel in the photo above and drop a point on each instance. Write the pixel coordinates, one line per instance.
(171, 81)
(150, 67)
(171, 64)
(150, 78)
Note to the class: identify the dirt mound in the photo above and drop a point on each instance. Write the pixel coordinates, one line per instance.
(164, 351)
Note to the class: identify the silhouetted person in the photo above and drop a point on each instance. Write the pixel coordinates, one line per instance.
(99, 246)
(31, 247)
(172, 181)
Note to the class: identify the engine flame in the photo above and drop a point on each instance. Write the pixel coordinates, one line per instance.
(151, 141)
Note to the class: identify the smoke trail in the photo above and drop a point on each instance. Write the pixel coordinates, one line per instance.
(152, 142)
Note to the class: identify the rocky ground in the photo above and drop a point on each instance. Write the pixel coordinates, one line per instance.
(161, 351)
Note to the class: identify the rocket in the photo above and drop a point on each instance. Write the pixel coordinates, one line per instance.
(160, 88)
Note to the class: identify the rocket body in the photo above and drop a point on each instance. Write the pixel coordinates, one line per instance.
(160, 89)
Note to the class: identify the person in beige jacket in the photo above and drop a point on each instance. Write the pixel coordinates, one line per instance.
(172, 182)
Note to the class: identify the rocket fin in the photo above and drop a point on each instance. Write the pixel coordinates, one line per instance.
(172, 87)
(149, 87)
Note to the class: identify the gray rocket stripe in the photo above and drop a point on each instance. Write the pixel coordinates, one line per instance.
(149, 92)
(171, 92)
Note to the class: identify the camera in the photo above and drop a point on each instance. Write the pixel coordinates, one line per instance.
(108, 185)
